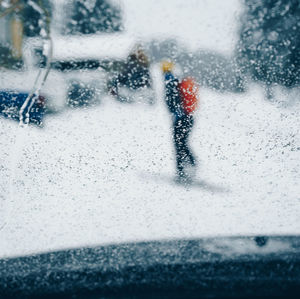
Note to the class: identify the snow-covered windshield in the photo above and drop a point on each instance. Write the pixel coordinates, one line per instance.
(124, 121)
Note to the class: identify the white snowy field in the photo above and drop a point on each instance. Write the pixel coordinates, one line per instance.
(104, 175)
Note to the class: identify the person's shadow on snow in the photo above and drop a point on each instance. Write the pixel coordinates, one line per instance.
(195, 183)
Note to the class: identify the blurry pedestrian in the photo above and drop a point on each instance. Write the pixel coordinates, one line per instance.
(181, 102)
(134, 74)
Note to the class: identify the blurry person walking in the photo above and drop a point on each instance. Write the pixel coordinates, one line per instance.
(134, 74)
(181, 101)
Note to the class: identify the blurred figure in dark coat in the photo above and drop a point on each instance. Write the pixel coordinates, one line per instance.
(134, 74)
(183, 122)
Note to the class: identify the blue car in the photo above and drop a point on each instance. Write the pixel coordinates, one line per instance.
(12, 101)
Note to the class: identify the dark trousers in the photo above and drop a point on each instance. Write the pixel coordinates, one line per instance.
(181, 130)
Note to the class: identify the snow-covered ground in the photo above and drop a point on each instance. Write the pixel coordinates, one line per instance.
(104, 174)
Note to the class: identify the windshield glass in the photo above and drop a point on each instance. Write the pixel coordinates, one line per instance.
(124, 121)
